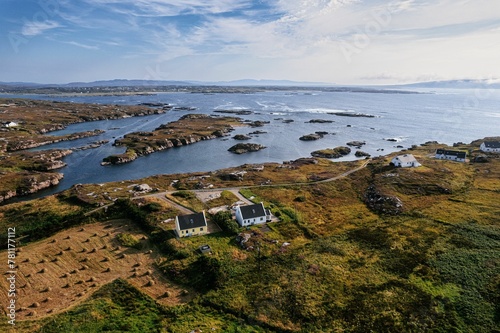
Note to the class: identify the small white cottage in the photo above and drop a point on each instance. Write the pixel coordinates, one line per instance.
(250, 215)
(452, 155)
(405, 161)
(490, 146)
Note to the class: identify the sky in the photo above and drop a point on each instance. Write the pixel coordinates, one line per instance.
(331, 41)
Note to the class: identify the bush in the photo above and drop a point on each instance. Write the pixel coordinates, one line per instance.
(129, 240)
(225, 222)
(184, 194)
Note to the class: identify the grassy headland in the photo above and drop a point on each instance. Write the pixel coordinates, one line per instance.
(383, 249)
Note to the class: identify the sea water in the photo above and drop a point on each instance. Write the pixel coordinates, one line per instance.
(445, 116)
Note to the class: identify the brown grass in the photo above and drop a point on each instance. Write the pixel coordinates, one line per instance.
(55, 286)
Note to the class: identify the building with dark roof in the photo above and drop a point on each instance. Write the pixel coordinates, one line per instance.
(191, 225)
(490, 146)
(251, 214)
(451, 155)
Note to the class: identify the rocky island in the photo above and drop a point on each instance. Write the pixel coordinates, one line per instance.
(189, 129)
(242, 148)
(332, 152)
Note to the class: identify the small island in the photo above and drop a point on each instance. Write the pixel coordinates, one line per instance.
(311, 137)
(189, 129)
(332, 152)
(242, 148)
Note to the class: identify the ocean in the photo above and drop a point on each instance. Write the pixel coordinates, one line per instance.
(445, 116)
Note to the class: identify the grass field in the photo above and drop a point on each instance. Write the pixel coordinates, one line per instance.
(423, 258)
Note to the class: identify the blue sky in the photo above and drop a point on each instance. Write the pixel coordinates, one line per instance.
(335, 41)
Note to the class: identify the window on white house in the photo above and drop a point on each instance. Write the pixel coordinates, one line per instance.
(201, 229)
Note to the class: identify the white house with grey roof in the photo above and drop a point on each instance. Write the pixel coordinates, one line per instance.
(252, 214)
(191, 225)
(405, 161)
(452, 155)
(490, 146)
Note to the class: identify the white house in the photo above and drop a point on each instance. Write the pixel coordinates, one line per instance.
(252, 214)
(405, 161)
(490, 146)
(11, 124)
(191, 225)
(452, 155)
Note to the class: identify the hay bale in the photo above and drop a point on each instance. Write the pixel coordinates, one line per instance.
(65, 275)
(86, 241)
(68, 237)
(123, 256)
(50, 310)
(166, 294)
(28, 275)
(92, 279)
(93, 250)
(80, 294)
(46, 290)
(74, 271)
(68, 248)
(32, 313)
(66, 286)
(82, 229)
(55, 260)
(148, 272)
(107, 270)
(43, 261)
(60, 253)
(48, 299)
(104, 247)
(35, 305)
(150, 283)
(137, 264)
(134, 275)
(53, 241)
(84, 260)
(106, 259)
(26, 260)
(43, 270)
(79, 282)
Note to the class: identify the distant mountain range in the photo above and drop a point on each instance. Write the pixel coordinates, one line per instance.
(452, 84)
(156, 83)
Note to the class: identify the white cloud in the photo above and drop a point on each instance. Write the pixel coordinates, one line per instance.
(37, 28)
(85, 46)
(170, 7)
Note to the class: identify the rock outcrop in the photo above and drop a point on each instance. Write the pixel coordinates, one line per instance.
(382, 204)
(311, 137)
(332, 152)
(241, 137)
(242, 148)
